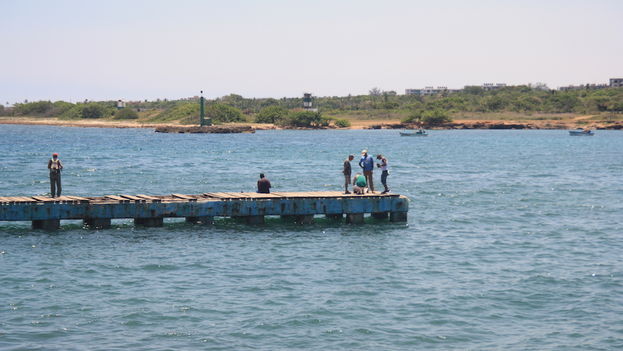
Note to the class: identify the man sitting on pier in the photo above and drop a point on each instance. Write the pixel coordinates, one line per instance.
(263, 185)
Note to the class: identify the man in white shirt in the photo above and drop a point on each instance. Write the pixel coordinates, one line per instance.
(385, 171)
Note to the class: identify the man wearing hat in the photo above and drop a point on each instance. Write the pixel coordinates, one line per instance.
(367, 163)
(55, 166)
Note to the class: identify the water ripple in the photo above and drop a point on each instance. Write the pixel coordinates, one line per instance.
(511, 244)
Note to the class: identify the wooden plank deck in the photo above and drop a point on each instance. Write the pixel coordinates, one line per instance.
(184, 197)
(79, 199)
(124, 198)
(133, 198)
(117, 198)
(43, 198)
(150, 198)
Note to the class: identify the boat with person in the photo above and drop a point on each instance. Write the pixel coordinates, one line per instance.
(581, 132)
(419, 132)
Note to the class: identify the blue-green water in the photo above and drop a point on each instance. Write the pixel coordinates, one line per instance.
(514, 242)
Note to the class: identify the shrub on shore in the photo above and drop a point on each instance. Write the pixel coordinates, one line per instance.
(271, 114)
(187, 113)
(92, 110)
(59, 108)
(342, 123)
(220, 113)
(36, 108)
(428, 118)
(87, 110)
(126, 113)
(305, 119)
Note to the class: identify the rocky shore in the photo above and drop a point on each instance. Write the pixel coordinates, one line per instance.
(205, 129)
(502, 125)
(573, 123)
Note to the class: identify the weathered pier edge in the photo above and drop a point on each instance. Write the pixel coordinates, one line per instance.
(148, 210)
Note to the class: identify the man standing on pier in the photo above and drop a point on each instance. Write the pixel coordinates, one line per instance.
(367, 163)
(55, 166)
(347, 172)
(385, 171)
(263, 185)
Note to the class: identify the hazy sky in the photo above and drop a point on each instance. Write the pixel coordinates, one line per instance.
(72, 50)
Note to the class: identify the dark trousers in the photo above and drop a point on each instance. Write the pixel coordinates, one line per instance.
(55, 184)
(384, 179)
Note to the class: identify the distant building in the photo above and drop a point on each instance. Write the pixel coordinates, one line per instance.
(120, 104)
(429, 91)
(616, 82)
(586, 86)
(412, 91)
(491, 86)
(570, 87)
(439, 90)
(488, 86)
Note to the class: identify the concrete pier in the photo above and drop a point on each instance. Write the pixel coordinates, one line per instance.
(150, 210)
(354, 218)
(149, 222)
(200, 220)
(46, 224)
(380, 215)
(254, 220)
(288, 218)
(97, 223)
(305, 219)
(335, 217)
(398, 216)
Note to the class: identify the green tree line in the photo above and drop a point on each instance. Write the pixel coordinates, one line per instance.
(286, 111)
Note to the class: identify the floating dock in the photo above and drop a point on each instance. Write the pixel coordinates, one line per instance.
(150, 210)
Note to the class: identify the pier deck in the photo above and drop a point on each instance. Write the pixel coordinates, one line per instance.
(149, 210)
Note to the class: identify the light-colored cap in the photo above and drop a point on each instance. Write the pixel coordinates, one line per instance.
(364, 151)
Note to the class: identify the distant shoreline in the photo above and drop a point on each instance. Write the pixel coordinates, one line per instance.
(578, 122)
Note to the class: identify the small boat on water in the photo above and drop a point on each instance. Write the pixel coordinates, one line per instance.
(581, 132)
(420, 132)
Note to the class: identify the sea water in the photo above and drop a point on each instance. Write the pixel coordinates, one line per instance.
(513, 242)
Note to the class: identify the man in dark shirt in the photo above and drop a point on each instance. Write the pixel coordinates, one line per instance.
(263, 185)
(347, 172)
(55, 166)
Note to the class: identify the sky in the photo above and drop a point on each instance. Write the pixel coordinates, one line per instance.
(135, 50)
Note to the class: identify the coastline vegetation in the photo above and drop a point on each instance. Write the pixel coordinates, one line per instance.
(527, 102)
